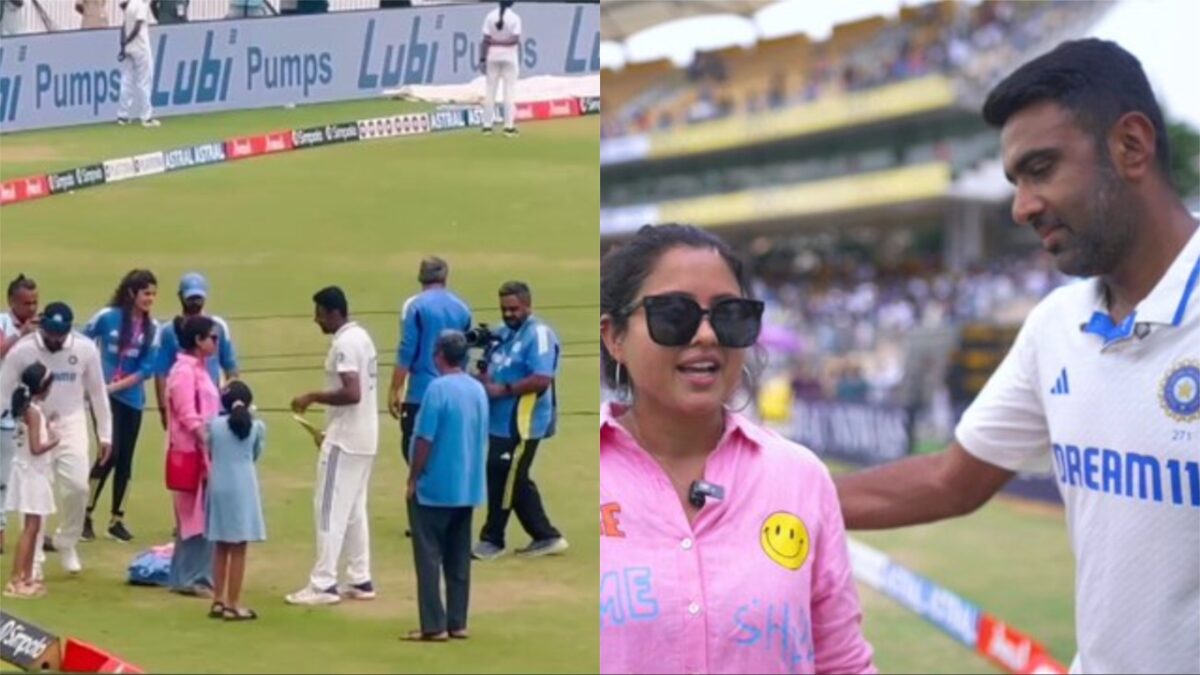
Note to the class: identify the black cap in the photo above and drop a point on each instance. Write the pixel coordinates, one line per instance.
(57, 318)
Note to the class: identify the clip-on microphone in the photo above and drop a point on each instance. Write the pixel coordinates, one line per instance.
(701, 490)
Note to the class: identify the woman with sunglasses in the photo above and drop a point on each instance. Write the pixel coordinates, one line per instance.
(192, 402)
(722, 547)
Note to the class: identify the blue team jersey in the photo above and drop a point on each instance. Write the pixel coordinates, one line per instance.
(454, 419)
(423, 319)
(225, 358)
(137, 357)
(533, 349)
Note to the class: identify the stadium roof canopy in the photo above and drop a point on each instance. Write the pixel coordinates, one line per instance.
(620, 19)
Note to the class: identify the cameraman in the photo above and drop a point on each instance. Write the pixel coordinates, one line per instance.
(424, 317)
(522, 409)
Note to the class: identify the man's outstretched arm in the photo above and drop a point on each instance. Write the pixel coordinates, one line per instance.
(918, 490)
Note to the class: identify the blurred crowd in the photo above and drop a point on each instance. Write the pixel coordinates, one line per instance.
(854, 334)
(972, 42)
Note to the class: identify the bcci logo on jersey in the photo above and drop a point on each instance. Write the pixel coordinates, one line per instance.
(1179, 392)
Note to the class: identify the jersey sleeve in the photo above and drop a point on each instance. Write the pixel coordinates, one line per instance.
(542, 351)
(344, 356)
(410, 334)
(1006, 424)
(429, 414)
(96, 326)
(226, 353)
(168, 347)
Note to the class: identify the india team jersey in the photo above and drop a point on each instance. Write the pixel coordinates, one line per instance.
(532, 349)
(353, 428)
(78, 379)
(1116, 408)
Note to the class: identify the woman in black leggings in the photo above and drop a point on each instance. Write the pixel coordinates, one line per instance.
(125, 333)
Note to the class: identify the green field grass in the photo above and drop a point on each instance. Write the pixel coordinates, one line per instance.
(1010, 558)
(268, 232)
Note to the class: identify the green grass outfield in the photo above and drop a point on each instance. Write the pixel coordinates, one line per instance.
(268, 232)
(1011, 558)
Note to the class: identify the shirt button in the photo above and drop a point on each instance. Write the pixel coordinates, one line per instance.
(686, 544)
(694, 609)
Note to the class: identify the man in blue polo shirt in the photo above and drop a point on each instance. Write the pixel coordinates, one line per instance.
(523, 411)
(424, 317)
(193, 293)
(446, 482)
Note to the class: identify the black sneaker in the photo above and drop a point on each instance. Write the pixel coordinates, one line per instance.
(487, 131)
(511, 132)
(88, 533)
(48, 544)
(117, 531)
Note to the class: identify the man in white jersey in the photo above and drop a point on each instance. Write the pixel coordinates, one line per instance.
(347, 453)
(19, 320)
(74, 362)
(1103, 380)
(500, 58)
(137, 63)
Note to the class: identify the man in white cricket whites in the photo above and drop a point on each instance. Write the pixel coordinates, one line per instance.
(347, 454)
(137, 63)
(74, 362)
(1104, 377)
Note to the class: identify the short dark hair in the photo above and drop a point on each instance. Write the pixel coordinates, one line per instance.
(433, 270)
(623, 270)
(1096, 80)
(517, 288)
(191, 329)
(332, 299)
(21, 282)
(452, 345)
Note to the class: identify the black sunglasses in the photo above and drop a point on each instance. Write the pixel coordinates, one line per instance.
(673, 320)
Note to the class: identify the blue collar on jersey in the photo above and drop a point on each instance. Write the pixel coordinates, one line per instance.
(1166, 304)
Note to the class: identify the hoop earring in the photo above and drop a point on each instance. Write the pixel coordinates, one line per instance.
(749, 394)
(624, 392)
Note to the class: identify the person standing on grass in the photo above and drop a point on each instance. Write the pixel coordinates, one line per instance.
(32, 494)
(192, 401)
(234, 511)
(79, 385)
(447, 481)
(193, 294)
(19, 321)
(127, 337)
(523, 412)
(347, 455)
(500, 58)
(136, 62)
(424, 317)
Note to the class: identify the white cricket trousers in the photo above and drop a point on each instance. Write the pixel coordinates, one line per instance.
(496, 72)
(136, 72)
(340, 508)
(71, 466)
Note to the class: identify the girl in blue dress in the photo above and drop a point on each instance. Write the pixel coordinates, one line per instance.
(234, 509)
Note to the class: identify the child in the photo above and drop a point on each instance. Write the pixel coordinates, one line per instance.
(234, 510)
(30, 490)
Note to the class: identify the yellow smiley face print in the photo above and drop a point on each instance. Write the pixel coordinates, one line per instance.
(785, 539)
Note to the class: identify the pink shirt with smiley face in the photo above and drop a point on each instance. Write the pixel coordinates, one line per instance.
(760, 582)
